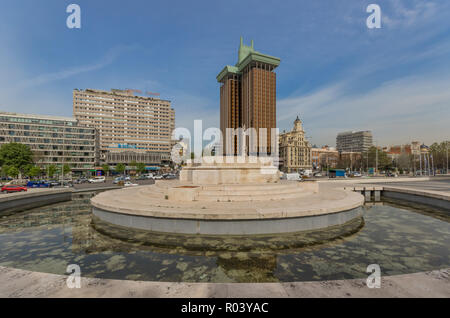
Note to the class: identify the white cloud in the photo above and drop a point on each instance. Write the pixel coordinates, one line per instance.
(110, 56)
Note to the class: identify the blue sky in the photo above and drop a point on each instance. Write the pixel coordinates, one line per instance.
(335, 73)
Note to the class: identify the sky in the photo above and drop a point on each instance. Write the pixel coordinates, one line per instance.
(336, 74)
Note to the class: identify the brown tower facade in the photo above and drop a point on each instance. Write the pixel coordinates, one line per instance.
(248, 96)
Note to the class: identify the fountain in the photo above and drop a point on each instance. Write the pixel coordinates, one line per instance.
(244, 197)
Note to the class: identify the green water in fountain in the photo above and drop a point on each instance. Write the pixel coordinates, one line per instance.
(401, 238)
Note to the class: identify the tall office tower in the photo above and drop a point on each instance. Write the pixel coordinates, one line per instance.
(131, 128)
(354, 141)
(248, 95)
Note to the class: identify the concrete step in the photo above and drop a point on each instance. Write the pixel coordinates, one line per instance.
(255, 197)
(243, 187)
(248, 192)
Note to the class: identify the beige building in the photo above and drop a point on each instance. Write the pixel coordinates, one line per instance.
(53, 140)
(127, 124)
(295, 150)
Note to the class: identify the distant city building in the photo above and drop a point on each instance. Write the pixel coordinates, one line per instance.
(248, 94)
(354, 141)
(295, 150)
(414, 148)
(53, 140)
(325, 157)
(139, 126)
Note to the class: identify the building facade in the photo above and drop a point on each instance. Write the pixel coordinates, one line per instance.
(324, 158)
(127, 123)
(248, 96)
(354, 141)
(295, 150)
(53, 140)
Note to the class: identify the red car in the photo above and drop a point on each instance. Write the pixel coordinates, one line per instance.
(13, 188)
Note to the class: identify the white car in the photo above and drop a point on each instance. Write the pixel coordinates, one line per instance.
(129, 184)
(97, 180)
(158, 177)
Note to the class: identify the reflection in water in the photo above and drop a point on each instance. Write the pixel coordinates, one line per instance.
(401, 239)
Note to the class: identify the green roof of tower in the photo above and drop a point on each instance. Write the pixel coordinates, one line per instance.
(247, 54)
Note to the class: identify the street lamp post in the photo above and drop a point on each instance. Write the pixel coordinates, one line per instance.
(376, 158)
(446, 144)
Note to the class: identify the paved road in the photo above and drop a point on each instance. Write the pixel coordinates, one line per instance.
(108, 183)
(434, 185)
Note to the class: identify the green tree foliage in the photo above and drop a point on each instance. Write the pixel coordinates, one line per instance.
(16, 155)
(5, 171)
(13, 172)
(140, 167)
(384, 162)
(105, 169)
(34, 171)
(66, 169)
(120, 168)
(51, 170)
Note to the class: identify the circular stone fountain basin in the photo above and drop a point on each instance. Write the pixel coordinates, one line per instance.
(150, 208)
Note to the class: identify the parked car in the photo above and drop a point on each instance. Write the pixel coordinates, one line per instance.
(54, 183)
(97, 180)
(81, 180)
(118, 179)
(38, 184)
(13, 188)
(356, 174)
(121, 178)
(293, 176)
(158, 177)
(129, 184)
(169, 176)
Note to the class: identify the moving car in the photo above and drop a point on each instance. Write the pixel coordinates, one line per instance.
(129, 184)
(13, 188)
(97, 180)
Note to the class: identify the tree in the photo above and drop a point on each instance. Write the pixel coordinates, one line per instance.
(404, 162)
(105, 169)
(51, 171)
(16, 155)
(140, 167)
(66, 169)
(5, 171)
(34, 171)
(13, 172)
(439, 153)
(384, 162)
(120, 168)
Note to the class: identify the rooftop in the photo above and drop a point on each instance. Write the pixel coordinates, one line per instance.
(32, 116)
(120, 92)
(247, 54)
